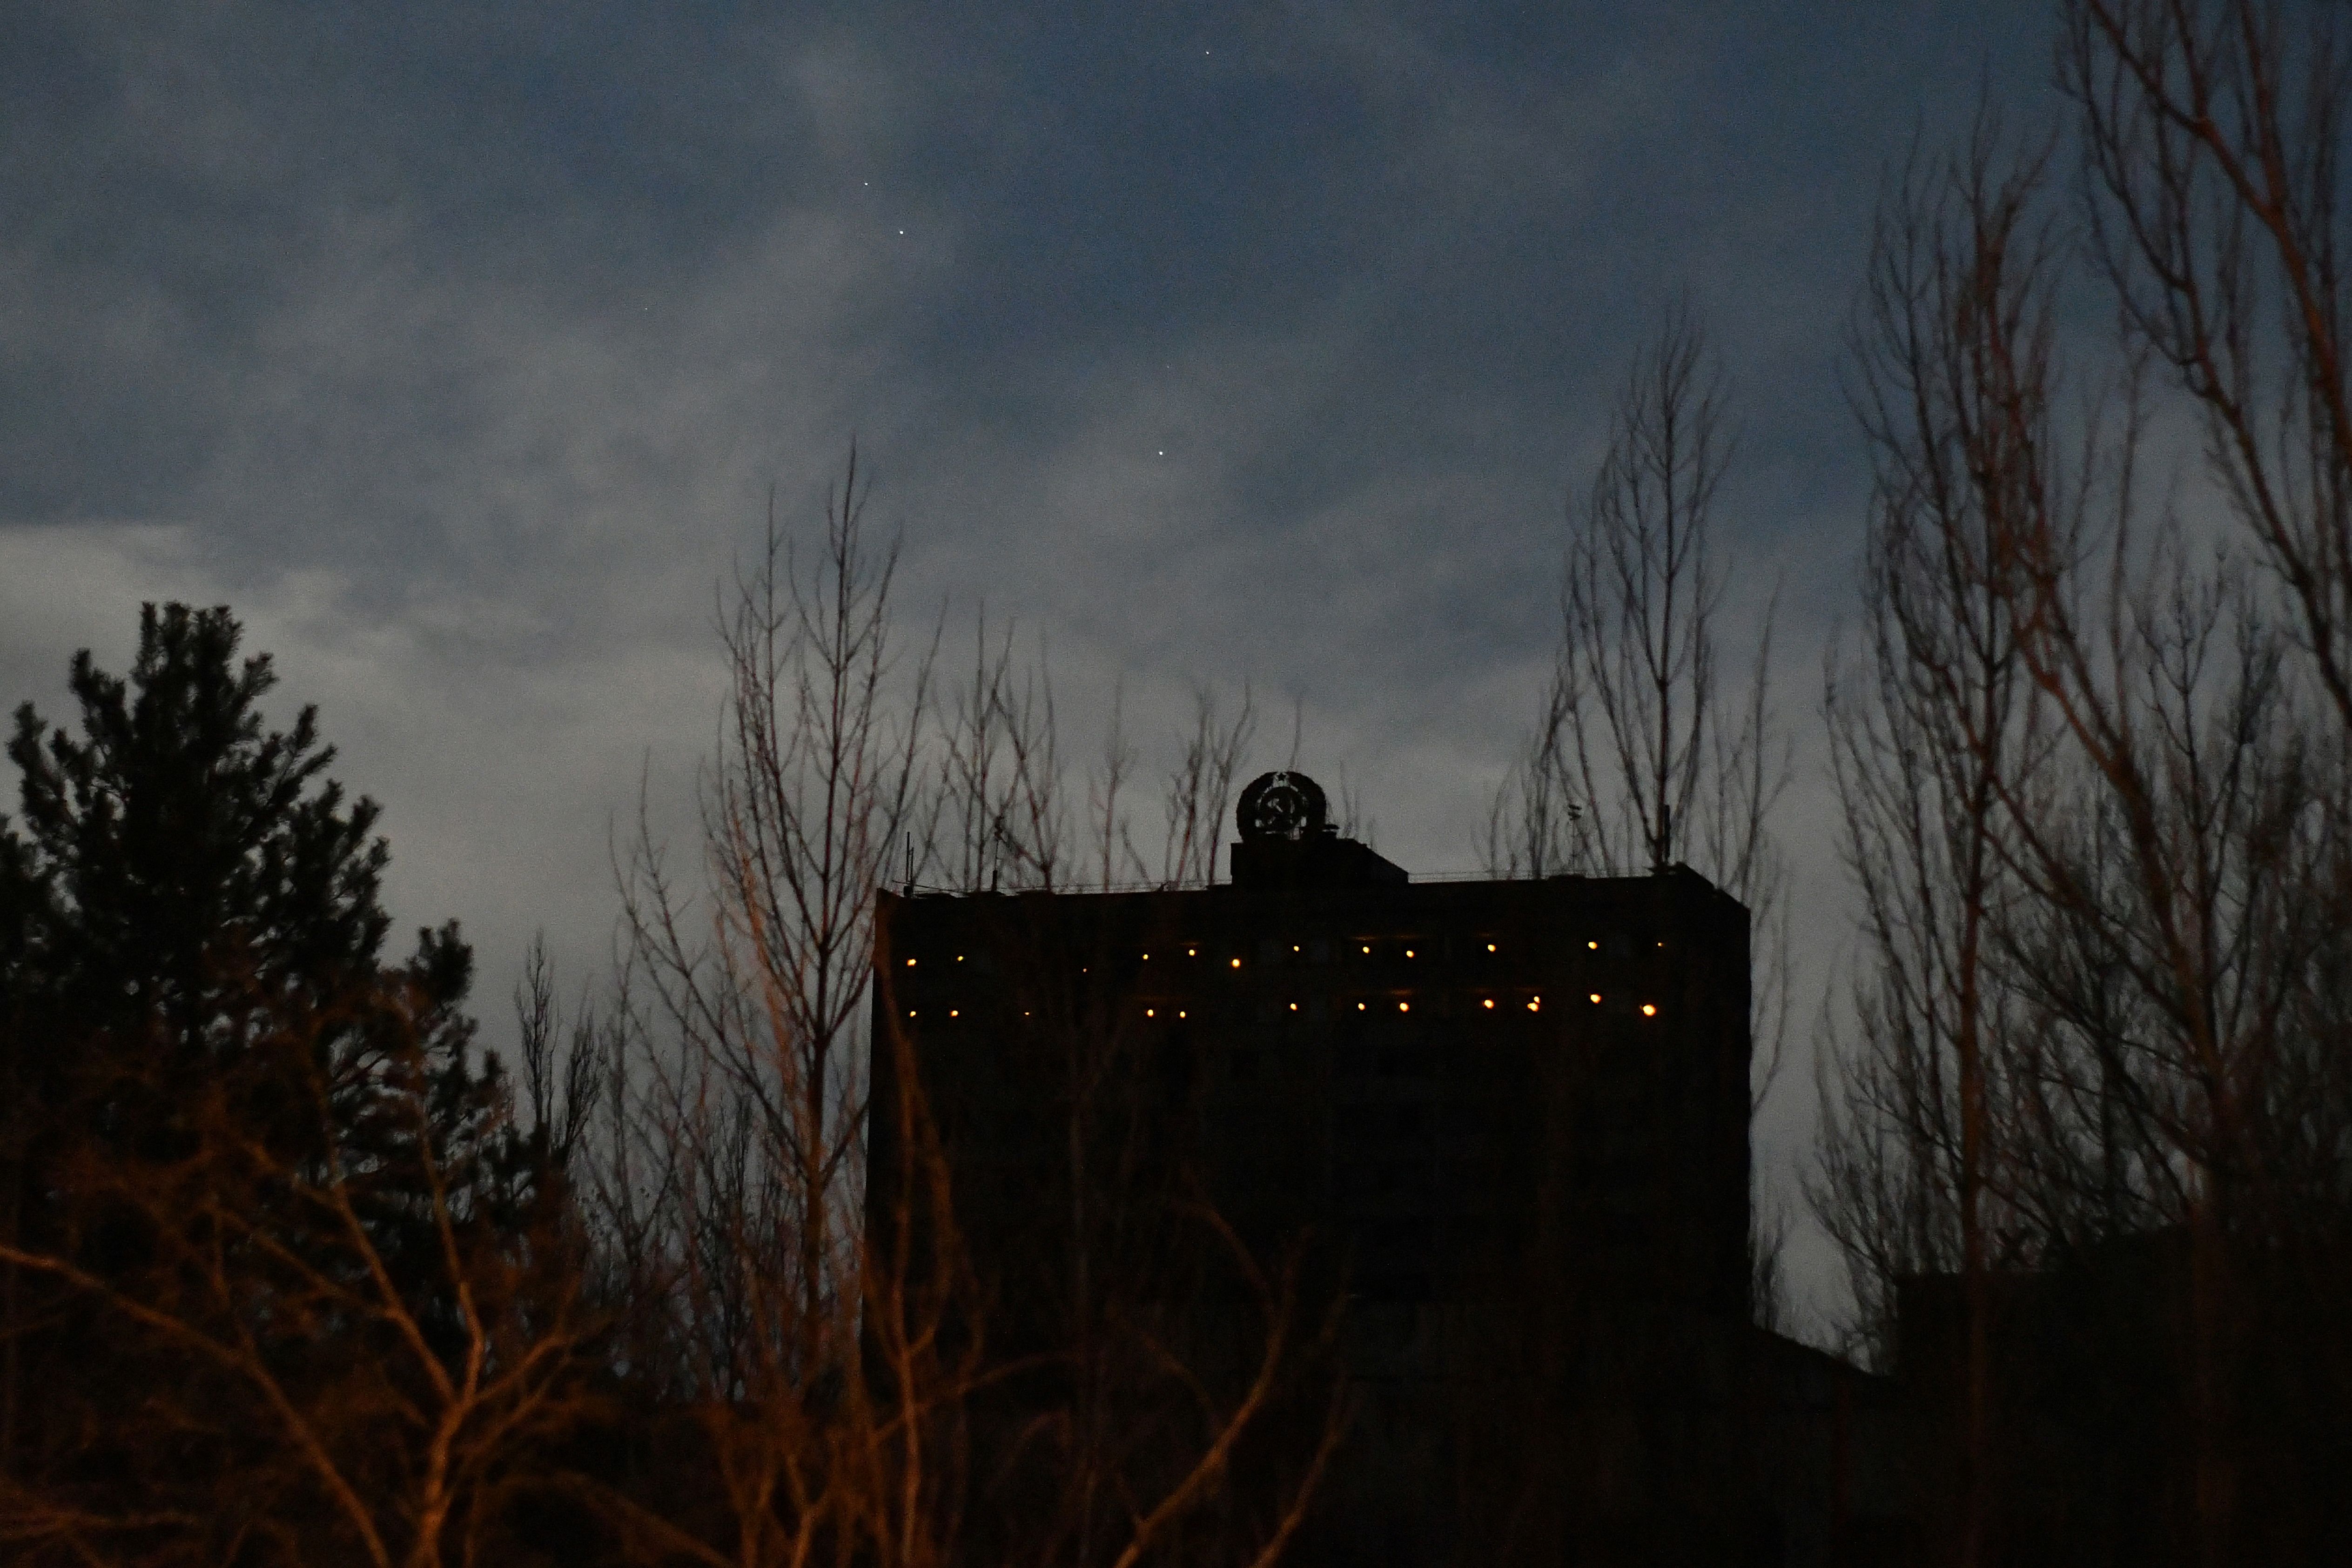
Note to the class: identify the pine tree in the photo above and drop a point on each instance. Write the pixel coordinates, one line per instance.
(176, 863)
(200, 1044)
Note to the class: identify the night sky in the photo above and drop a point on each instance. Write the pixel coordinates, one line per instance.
(458, 348)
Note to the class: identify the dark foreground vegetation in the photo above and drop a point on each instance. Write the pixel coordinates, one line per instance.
(292, 1272)
(2089, 1139)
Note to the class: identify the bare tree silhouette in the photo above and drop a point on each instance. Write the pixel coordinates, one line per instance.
(2096, 772)
(835, 1342)
(1639, 758)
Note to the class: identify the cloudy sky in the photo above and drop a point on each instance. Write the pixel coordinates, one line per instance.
(459, 348)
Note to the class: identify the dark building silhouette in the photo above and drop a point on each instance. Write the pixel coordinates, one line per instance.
(1502, 1125)
(2095, 1433)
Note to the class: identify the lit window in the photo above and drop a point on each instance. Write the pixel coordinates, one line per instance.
(1649, 1009)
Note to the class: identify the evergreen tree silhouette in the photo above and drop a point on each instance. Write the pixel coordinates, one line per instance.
(193, 1001)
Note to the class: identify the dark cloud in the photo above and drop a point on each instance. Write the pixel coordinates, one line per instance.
(460, 348)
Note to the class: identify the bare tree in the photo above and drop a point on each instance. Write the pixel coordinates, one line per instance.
(2154, 779)
(755, 1002)
(1001, 794)
(1639, 593)
(1935, 740)
(1639, 758)
(2213, 134)
(1111, 838)
(1003, 804)
(559, 1065)
(1130, 1420)
(1533, 818)
(359, 1350)
(809, 1376)
(826, 1347)
(1637, 761)
(1199, 790)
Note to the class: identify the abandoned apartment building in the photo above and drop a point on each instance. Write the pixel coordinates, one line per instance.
(1501, 1125)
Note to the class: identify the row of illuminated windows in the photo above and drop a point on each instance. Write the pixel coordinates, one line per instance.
(1321, 951)
(1501, 1004)
(1317, 1009)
